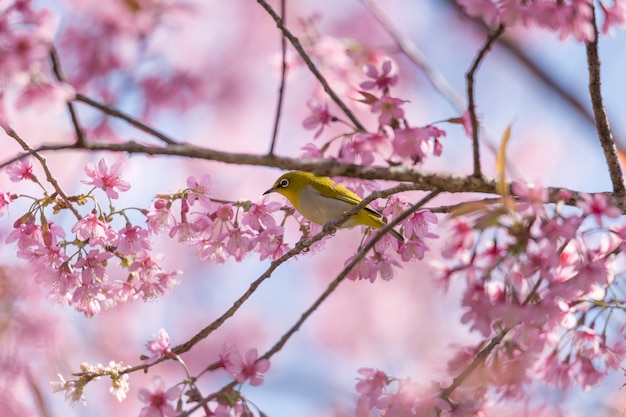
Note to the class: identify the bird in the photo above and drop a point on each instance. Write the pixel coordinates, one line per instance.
(320, 200)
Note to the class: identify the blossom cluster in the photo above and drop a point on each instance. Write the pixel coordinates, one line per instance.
(77, 269)
(395, 140)
(548, 277)
(568, 18)
(242, 368)
(544, 280)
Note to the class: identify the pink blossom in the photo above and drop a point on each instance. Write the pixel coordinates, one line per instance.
(362, 147)
(310, 150)
(413, 249)
(45, 95)
(597, 205)
(159, 346)
(21, 170)
(157, 282)
(29, 238)
(260, 217)
(372, 386)
(108, 179)
(319, 117)
(93, 265)
(157, 399)
(248, 367)
(187, 232)
(226, 358)
(5, 200)
(384, 265)
(418, 225)
(413, 143)
(133, 240)
(93, 230)
(211, 250)
(364, 269)
(483, 8)
(613, 16)
(88, 298)
(199, 190)
(382, 80)
(159, 216)
(466, 119)
(389, 109)
(461, 239)
(556, 372)
(270, 243)
(534, 195)
(238, 243)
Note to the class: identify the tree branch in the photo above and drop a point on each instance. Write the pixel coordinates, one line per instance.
(470, 97)
(602, 122)
(307, 60)
(419, 179)
(283, 76)
(42, 160)
(58, 72)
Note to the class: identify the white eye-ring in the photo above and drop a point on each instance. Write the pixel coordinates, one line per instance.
(284, 183)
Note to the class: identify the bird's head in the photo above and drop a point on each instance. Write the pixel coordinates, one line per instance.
(291, 185)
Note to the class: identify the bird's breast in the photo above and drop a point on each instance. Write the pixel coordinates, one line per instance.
(321, 209)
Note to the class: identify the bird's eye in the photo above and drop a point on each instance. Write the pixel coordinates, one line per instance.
(284, 183)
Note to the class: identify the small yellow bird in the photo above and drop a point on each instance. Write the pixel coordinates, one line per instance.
(320, 200)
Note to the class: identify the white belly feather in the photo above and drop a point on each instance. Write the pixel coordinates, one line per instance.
(319, 209)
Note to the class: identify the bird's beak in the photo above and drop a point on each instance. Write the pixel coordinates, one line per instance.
(271, 190)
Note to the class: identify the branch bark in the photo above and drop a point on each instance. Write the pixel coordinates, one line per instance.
(605, 135)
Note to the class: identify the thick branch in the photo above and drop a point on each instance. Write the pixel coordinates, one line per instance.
(421, 180)
(602, 121)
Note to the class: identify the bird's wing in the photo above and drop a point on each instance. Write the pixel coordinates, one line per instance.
(349, 197)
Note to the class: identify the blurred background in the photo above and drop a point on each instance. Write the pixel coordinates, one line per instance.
(207, 73)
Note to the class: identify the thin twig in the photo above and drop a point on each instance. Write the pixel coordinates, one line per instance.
(470, 96)
(307, 60)
(112, 111)
(42, 160)
(283, 77)
(344, 273)
(602, 121)
(58, 72)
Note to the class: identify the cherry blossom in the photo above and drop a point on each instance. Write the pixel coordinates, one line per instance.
(107, 178)
(382, 80)
(320, 118)
(21, 170)
(158, 399)
(159, 346)
(248, 367)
